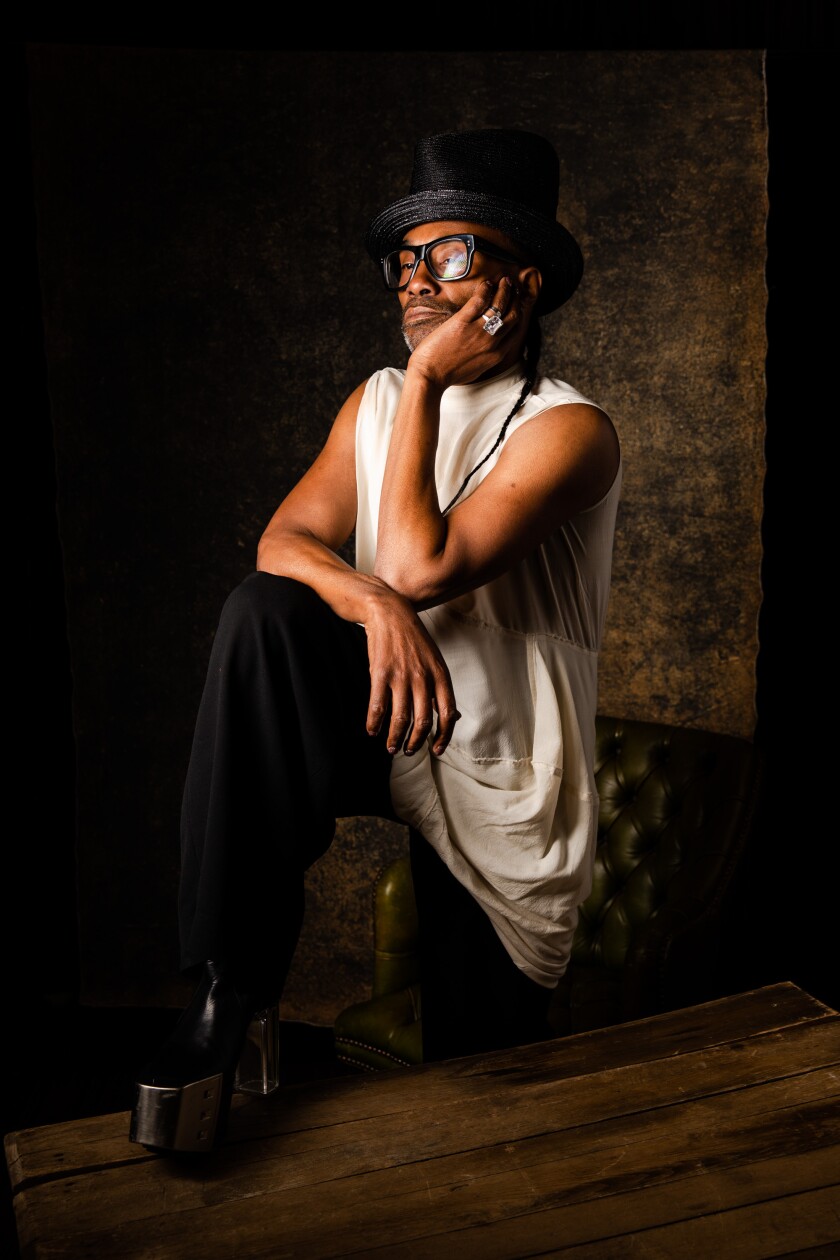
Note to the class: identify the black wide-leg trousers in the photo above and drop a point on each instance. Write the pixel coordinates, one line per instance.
(280, 751)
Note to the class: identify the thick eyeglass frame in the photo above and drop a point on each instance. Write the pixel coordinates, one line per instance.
(469, 239)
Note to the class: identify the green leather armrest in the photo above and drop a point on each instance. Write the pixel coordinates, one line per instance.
(395, 961)
(383, 1033)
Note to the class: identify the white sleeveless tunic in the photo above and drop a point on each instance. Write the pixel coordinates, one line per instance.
(511, 807)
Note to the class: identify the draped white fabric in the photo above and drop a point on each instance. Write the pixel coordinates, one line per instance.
(511, 806)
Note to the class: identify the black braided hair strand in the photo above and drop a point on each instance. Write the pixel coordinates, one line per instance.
(531, 356)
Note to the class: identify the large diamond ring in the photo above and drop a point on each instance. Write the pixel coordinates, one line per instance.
(492, 320)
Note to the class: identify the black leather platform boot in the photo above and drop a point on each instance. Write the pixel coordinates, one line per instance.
(184, 1092)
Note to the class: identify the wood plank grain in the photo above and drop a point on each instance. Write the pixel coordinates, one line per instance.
(521, 1108)
(461, 1148)
(784, 1225)
(102, 1141)
(251, 1228)
(780, 1124)
(758, 1232)
(134, 1193)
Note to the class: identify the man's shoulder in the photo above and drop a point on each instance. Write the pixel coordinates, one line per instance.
(552, 391)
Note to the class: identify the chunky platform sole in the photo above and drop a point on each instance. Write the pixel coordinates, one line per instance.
(184, 1118)
(192, 1117)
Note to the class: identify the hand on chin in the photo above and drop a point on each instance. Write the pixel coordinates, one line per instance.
(415, 331)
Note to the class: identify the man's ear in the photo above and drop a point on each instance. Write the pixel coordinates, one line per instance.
(529, 282)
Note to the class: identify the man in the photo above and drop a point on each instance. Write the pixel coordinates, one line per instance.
(448, 680)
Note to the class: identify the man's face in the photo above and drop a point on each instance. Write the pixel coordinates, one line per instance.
(426, 301)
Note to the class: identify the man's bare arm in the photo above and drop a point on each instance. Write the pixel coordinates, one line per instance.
(409, 679)
(316, 518)
(552, 467)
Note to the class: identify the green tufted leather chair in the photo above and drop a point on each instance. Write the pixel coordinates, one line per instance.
(676, 811)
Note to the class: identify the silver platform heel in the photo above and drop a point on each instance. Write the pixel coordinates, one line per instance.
(180, 1118)
(225, 1040)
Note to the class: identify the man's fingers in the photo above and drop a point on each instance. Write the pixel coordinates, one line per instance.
(377, 707)
(400, 720)
(447, 715)
(446, 727)
(423, 722)
(409, 685)
(412, 719)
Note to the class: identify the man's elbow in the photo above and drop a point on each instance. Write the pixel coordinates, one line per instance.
(263, 562)
(271, 549)
(422, 585)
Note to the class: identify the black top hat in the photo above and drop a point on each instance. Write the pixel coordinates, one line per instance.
(506, 179)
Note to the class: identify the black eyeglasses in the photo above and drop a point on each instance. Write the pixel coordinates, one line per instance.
(447, 258)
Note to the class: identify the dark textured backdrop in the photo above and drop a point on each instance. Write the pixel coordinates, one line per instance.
(208, 305)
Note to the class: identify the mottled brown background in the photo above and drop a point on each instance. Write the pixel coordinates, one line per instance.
(208, 305)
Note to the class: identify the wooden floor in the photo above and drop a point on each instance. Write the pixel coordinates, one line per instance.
(73, 1062)
(711, 1133)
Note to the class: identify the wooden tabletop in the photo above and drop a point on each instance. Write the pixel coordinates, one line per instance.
(707, 1132)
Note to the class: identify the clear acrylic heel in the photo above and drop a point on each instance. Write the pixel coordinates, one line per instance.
(258, 1069)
